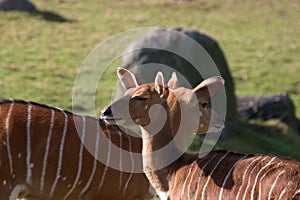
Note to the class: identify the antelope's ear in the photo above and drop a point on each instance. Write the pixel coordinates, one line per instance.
(127, 79)
(160, 85)
(208, 88)
(173, 82)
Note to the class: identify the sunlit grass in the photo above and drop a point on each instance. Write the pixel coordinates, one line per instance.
(39, 59)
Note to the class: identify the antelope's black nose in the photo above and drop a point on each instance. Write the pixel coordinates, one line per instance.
(106, 112)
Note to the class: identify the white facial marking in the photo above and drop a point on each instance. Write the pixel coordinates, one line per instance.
(201, 125)
(65, 178)
(162, 195)
(19, 155)
(200, 114)
(146, 107)
(4, 182)
(137, 121)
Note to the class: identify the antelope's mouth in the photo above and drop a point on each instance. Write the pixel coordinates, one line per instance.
(109, 119)
(107, 115)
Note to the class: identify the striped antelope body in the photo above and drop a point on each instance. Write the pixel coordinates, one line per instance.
(227, 175)
(217, 175)
(42, 156)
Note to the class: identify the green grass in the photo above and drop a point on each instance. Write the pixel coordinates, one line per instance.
(256, 137)
(39, 58)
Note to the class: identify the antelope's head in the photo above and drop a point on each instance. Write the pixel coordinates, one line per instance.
(136, 107)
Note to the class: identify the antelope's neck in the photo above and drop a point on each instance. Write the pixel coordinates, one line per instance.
(160, 152)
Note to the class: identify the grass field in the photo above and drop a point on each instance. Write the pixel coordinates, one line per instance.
(41, 53)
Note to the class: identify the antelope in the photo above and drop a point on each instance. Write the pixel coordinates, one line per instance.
(43, 156)
(214, 175)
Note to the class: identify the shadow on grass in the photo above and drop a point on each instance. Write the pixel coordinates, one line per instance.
(51, 16)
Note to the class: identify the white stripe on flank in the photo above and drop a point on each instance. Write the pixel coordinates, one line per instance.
(281, 194)
(121, 160)
(211, 173)
(185, 181)
(8, 138)
(132, 164)
(249, 178)
(47, 151)
(200, 175)
(257, 175)
(60, 158)
(107, 161)
(28, 146)
(96, 154)
(229, 172)
(79, 158)
(193, 175)
(261, 179)
(244, 176)
(297, 192)
(273, 185)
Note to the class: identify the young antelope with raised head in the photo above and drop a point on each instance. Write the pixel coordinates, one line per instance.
(43, 156)
(217, 175)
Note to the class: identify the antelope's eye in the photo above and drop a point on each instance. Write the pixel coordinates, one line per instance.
(140, 98)
(204, 104)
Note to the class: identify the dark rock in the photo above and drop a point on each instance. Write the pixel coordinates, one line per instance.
(145, 62)
(22, 5)
(268, 107)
